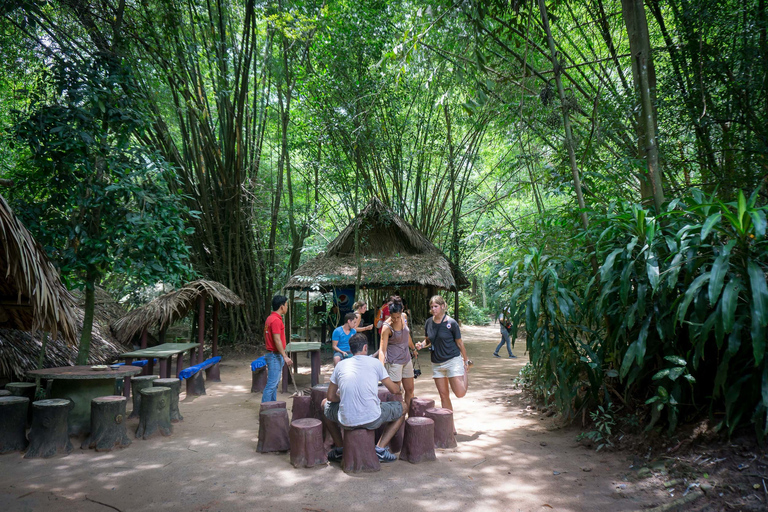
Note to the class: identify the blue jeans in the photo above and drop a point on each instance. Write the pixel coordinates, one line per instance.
(275, 364)
(504, 339)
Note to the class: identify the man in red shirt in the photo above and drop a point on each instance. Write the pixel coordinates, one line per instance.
(274, 337)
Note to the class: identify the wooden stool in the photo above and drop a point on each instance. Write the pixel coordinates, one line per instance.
(419, 407)
(396, 443)
(443, 419)
(175, 385)
(196, 385)
(419, 440)
(5, 392)
(107, 424)
(265, 406)
(273, 431)
(138, 383)
(26, 389)
(359, 451)
(318, 394)
(306, 439)
(155, 414)
(212, 373)
(259, 380)
(49, 434)
(13, 423)
(302, 406)
(383, 393)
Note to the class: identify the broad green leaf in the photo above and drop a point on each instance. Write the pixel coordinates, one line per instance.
(759, 292)
(690, 293)
(734, 340)
(608, 265)
(690, 378)
(765, 386)
(662, 391)
(676, 372)
(719, 269)
(709, 224)
(642, 336)
(730, 302)
(742, 209)
(661, 374)
(677, 360)
(536, 297)
(758, 340)
(652, 269)
(629, 357)
(758, 219)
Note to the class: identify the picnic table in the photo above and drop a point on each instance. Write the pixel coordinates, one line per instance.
(292, 349)
(164, 353)
(81, 384)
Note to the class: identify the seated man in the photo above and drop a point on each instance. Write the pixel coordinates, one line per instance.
(353, 400)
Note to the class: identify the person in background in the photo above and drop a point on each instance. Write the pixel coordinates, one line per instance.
(382, 314)
(359, 308)
(450, 365)
(505, 326)
(395, 350)
(274, 338)
(341, 336)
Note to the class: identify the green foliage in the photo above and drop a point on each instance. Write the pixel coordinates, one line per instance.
(679, 299)
(603, 421)
(469, 312)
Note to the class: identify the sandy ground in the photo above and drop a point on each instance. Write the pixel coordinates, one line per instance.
(508, 459)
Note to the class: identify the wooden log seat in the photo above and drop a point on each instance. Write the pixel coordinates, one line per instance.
(107, 424)
(383, 393)
(302, 406)
(155, 414)
(317, 395)
(359, 454)
(26, 389)
(443, 419)
(265, 406)
(273, 431)
(396, 443)
(13, 423)
(175, 385)
(419, 440)
(419, 406)
(49, 434)
(194, 376)
(258, 380)
(138, 383)
(306, 440)
(5, 392)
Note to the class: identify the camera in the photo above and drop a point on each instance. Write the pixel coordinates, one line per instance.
(416, 373)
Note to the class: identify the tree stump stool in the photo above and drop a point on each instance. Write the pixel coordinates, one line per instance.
(138, 383)
(212, 373)
(383, 393)
(13, 423)
(155, 414)
(175, 385)
(26, 389)
(277, 404)
(259, 380)
(419, 440)
(317, 395)
(359, 454)
(196, 385)
(49, 434)
(273, 431)
(443, 419)
(306, 439)
(419, 407)
(302, 408)
(396, 443)
(107, 424)
(5, 392)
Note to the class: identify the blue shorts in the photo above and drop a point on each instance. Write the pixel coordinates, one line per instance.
(339, 354)
(390, 411)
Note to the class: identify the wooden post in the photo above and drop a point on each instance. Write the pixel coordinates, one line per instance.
(144, 338)
(315, 365)
(215, 342)
(201, 327)
(127, 379)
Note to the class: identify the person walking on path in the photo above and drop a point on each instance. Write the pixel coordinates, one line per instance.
(353, 400)
(341, 336)
(395, 350)
(274, 337)
(505, 327)
(450, 365)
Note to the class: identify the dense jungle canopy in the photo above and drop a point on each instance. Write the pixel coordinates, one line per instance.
(597, 165)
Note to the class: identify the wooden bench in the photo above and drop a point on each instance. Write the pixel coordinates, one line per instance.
(194, 377)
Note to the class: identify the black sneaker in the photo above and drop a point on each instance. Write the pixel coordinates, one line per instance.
(335, 454)
(512, 356)
(385, 455)
(496, 354)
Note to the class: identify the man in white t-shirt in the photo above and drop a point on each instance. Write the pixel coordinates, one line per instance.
(353, 400)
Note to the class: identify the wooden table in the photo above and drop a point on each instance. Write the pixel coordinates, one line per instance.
(293, 349)
(164, 353)
(81, 384)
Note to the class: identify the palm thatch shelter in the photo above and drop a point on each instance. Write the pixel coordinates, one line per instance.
(393, 256)
(20, 349)
(32, 297)
(171, 307)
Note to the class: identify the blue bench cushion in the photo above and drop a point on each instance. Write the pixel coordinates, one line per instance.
(258, 363)
(189, 372)
(142, 363)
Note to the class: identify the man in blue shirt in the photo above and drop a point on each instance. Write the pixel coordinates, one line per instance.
(340, 338)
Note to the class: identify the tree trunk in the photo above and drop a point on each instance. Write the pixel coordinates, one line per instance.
(84, 348)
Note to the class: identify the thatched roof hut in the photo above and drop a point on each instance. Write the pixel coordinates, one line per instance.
(393, 254)
(32, 297)
(169, 308)
(20, 350)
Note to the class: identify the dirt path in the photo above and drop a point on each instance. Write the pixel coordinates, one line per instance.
(508, 459)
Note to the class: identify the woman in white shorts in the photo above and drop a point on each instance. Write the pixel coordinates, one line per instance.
(395, 351)
(450, 365)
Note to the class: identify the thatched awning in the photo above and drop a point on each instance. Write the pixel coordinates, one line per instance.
(32, 297)
(392, 253)
(20, 350)
(167, 309)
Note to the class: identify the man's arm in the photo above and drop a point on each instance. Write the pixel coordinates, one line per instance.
(278, 341)
(333, 393)
(387, 382)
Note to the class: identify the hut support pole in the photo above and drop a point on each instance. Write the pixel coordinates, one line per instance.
(127, 379)
(201, 327)
(212, 374)
(144, 338)
(40, 361)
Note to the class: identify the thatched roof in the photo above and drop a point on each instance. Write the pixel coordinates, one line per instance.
(171, 307)
(32, 297)
(393, 254)
(20, 350)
